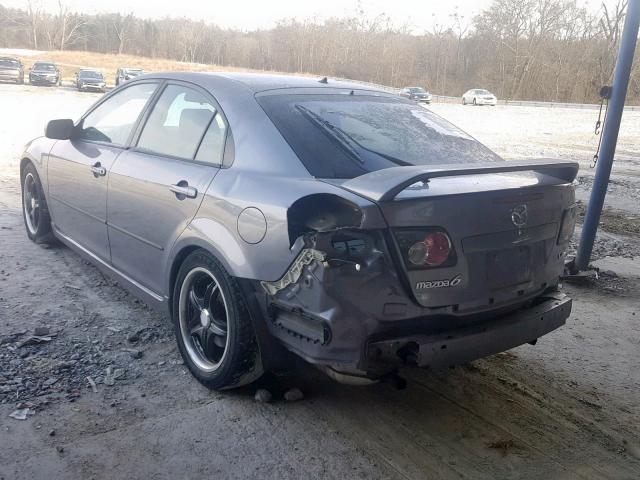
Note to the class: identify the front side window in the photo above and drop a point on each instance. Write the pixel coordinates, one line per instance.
(177, 123)
(113, 120)
(345, 136)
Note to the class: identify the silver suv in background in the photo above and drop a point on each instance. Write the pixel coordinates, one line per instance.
(270, 214)
(11, 70)
(126, 74)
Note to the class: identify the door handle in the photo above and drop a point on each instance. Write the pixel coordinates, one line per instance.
(183, 190)
(98, 170)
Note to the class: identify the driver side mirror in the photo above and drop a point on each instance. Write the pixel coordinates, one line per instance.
(59, 129)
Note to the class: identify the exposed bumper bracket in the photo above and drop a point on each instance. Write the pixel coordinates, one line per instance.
(466, 344)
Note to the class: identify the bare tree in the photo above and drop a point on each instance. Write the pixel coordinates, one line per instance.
(521, 49)
(34, 15)
(121, 25)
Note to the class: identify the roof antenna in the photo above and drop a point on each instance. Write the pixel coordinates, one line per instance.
(324, 80)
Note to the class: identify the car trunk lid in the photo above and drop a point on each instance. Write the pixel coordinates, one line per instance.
(503, 221)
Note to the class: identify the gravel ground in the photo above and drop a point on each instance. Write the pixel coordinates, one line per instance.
(105, 394)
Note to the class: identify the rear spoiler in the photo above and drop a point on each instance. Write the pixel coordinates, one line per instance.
(384, 185)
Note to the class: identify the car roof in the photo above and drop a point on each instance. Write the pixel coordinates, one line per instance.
(259, 82)
(46, 62)
(269, 81)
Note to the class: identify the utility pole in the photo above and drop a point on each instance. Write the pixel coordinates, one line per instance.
(610, 134)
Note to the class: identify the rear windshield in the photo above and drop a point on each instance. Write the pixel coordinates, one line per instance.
(345, 136)
(5, 62)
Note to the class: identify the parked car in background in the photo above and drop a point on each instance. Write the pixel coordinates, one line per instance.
(417, 94)
(11, 70)
(479, 96)
(124, 74)
(89, 79)
(339, 222)
(44, 73)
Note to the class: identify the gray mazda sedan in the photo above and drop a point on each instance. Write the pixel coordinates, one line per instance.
(271, 215)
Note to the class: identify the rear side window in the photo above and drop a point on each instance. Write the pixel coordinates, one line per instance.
(114, 119)
(212, 147)
(345, 136)
(177, 123)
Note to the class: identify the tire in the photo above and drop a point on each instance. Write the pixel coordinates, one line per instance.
(474, 102)
(464, 102)
(204, 293)
(35, 211)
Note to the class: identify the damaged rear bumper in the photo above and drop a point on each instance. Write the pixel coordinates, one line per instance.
(470, 343)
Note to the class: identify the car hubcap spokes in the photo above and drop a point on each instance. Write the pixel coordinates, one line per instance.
(203, 321)
(31, 203)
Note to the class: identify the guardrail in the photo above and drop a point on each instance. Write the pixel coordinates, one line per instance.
(527, 103)
(519, 103)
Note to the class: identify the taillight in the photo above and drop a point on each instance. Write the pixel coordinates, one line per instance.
(425, 248)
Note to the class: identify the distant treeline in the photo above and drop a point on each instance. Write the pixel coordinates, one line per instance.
(520, 49)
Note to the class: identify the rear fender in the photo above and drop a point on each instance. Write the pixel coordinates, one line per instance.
(244, 220)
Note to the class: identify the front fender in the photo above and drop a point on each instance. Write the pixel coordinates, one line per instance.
(37, 152)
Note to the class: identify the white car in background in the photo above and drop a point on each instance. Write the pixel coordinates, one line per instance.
(478, 96)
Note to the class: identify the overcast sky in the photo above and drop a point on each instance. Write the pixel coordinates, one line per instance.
(251, 14)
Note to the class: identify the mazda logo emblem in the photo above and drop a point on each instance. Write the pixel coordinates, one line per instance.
(519, 215)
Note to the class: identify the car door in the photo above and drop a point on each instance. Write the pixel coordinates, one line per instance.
(78, 169)
(156, 188)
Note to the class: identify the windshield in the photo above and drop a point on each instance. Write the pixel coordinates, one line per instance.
(90, 74)
(44, 66)
(483, 92)
(417, 90)
(5, 62)
(340, 136)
